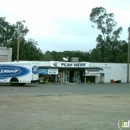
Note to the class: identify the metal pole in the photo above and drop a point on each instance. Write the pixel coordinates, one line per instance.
(18, 42)
(18, 46)
(128, 60)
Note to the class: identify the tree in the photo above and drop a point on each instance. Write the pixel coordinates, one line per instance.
(9, 33)
(57, 56)
(29, 51)
(48, 56)
(122, 56)
(95, 55)
(6, 32)
(9, 38)
(109, 34)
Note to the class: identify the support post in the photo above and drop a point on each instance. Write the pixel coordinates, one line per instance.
(128, 60)
(18, 46)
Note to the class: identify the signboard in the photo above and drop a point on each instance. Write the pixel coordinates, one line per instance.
(93, 71)
(42, 71)
(52, 71)
(5, 54)
(3, 58)
(70, 64)
(92, 74)
(34, 69)
(48, 71)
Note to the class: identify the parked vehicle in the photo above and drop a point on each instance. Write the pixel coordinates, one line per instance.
(18, 73)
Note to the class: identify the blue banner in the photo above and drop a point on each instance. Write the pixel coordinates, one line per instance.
(7, 71)
(42, 71)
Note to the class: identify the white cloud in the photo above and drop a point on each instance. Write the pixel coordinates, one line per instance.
(63, 24)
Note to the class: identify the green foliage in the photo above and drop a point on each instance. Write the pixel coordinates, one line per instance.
(95, 55)
(29, 51)
(109, 48)
(48, 56)
(107, 42)
(9, 37)
(103, 20)
(58, 56)
(7, 32)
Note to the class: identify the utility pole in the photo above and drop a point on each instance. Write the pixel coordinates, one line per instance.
(18, 42)
(128, 60)
(18, 45)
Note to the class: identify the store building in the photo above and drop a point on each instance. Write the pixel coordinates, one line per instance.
(82, 72)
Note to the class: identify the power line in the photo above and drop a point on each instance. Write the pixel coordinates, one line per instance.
(61, 33)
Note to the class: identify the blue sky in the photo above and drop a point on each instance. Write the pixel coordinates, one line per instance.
(63, 24)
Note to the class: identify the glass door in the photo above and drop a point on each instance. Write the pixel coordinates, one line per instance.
(76, 76)
(66, 76)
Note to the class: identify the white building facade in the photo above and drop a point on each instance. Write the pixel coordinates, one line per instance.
(113, 71)
(83, 72)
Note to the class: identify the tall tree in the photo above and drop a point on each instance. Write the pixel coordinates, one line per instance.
(29, 51)
(6, 32)
(105, 23)
(95, 55)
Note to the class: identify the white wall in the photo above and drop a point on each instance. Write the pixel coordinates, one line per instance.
(5, 54)
(119, 72)
(40, 63)
(43, 63)
(116, 71)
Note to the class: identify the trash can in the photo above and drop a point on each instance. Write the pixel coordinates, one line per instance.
(112, 81)
(118, 81)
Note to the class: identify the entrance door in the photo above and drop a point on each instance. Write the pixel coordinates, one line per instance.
(71, 76)
(90, 79)
(66, 76)
(76, 76)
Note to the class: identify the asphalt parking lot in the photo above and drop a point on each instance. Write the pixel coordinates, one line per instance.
(62, 89)
(64, 106)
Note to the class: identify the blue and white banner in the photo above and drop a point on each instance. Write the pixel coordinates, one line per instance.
(52, 71)
(69, 64)
(48, 71)
(7, 71)
(34, 69)
(42, 71)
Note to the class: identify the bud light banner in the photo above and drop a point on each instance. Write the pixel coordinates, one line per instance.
(7, 71)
